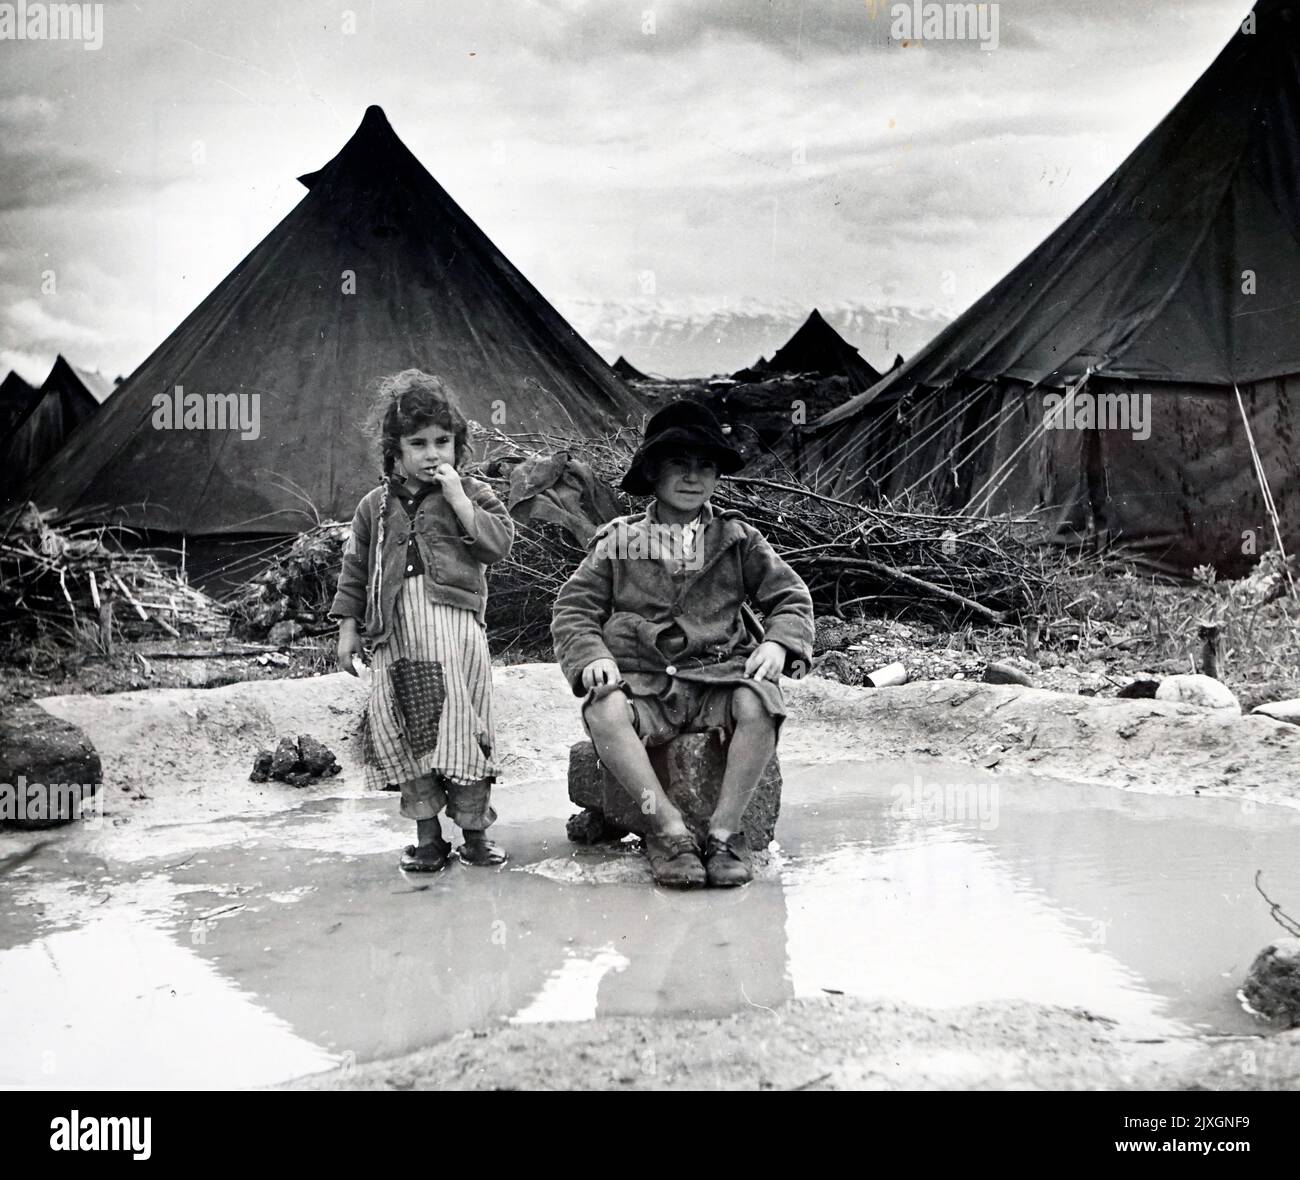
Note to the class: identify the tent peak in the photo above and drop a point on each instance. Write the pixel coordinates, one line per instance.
(92, 381)
(374, 138)
(61, 363)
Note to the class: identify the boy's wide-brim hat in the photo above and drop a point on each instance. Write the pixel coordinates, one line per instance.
(671, 431)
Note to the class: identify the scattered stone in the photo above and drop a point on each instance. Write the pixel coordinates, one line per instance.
(1194, 689)
(317, 758)
(1281, 711)
(1007, 674)
(48, 769)
(1273, 986)
(298, 763)
(284, 632)
(1139, 690)
(590, 826)
(285, 758)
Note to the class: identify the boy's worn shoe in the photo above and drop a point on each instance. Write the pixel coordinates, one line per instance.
(481, 852)
(426, 858)
(727, 860)
(675, 861)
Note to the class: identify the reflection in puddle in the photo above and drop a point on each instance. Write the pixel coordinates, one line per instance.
(570, 991)
(941, 924)
(118, 1004)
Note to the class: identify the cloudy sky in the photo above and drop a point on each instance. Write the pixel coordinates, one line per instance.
(678, 156)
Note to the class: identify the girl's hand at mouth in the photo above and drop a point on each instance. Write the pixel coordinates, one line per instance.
(448, 478)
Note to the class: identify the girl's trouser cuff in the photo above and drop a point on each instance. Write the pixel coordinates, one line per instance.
(468, 804)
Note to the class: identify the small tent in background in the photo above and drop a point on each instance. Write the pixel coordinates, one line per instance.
(1097, 384)
(68, 398)
(17, 398)
(898, 362)
(758, 371)
(628, 371)
(818, 348)
(377, 269)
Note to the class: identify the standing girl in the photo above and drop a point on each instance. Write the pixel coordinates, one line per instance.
(413, 583)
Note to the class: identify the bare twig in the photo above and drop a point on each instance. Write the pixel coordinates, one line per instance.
(1283, 919)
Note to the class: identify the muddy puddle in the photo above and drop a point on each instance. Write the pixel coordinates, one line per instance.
(246, 951)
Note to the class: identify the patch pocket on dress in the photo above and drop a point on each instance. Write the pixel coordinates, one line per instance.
(418, 695)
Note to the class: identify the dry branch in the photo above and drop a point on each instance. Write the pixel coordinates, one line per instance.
(50, 579)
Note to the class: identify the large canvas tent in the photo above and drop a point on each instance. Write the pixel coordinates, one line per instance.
(68, 398)
(1172, 288)
(377, 269)
(818, 348)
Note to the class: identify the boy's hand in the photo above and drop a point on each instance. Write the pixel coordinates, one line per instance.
(449, 480)
(766, 662)
(349, 645)
(600, 672)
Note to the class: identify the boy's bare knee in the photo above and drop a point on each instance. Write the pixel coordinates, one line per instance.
(609, 712)
(747, 708)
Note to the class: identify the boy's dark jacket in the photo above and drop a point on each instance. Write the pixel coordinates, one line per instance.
(453, 561)
(625, 609)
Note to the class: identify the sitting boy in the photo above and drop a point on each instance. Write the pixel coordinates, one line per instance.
(649, 629)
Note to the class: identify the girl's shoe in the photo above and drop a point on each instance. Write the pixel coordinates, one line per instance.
(482, 852)
(426, 858)
(727, 861)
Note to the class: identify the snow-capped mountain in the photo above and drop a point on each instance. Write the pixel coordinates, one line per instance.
(700, 339)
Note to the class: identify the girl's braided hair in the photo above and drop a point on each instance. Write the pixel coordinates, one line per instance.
(404, 404)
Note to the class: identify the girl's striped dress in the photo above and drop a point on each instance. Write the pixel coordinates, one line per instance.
(431, 703)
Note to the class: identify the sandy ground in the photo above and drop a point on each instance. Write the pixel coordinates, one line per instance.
(168, 756)
(834, 1044)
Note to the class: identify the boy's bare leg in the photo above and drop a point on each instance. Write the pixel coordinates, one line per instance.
(609, 722)
(750, 750)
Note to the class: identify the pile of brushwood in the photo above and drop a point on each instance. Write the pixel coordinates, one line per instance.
(852, 556)
(296, 587)
(87, 586)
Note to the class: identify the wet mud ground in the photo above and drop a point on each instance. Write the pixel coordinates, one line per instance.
(922, 923)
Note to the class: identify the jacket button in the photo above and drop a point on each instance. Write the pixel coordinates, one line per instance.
(676, 610)
(671, 670)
